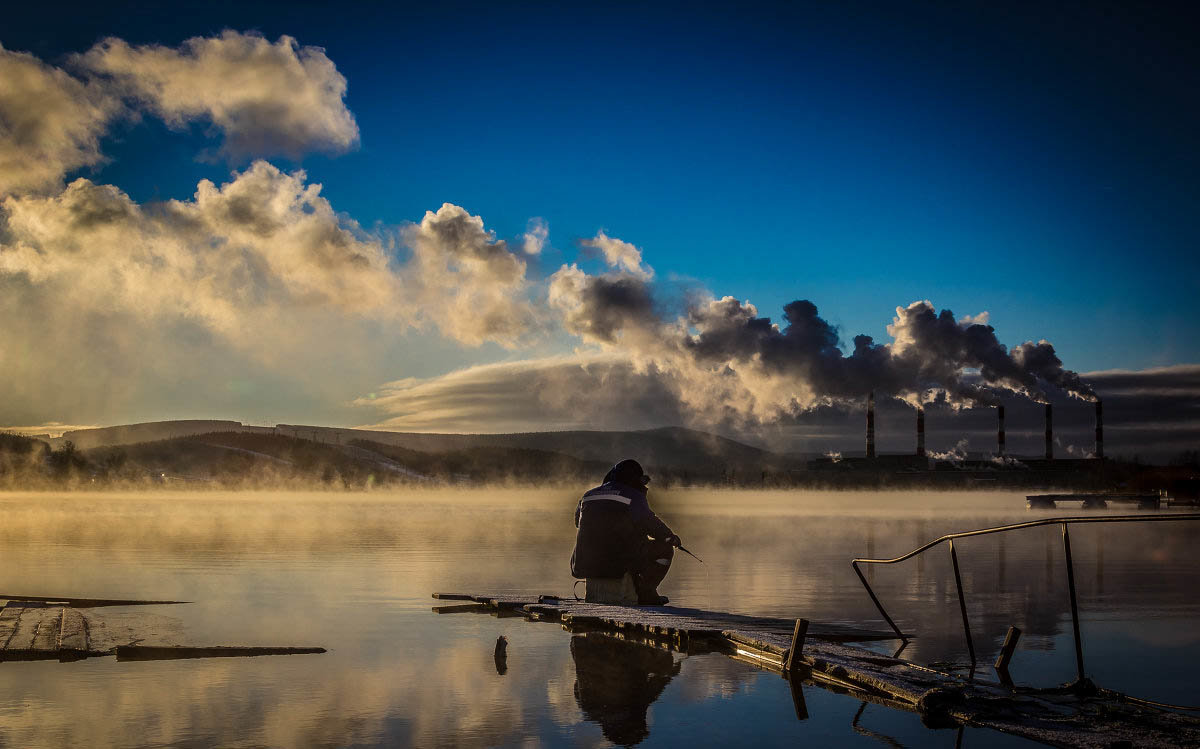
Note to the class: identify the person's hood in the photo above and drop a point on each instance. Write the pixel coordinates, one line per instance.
(628, 472)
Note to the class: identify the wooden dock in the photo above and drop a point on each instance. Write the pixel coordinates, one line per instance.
(68, 629)
(1095, 501)
(818, 653)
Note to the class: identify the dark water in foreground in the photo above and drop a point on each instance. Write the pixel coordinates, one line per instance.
(353, 573)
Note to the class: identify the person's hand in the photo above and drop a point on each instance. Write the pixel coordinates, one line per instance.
(674, 540)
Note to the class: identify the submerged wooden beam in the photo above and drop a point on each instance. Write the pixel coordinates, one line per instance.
(174, 652)
(474, 608)
(33, 630)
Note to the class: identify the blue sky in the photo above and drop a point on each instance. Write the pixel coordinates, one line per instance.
(1036, 164)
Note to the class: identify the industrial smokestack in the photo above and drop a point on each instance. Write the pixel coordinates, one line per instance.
(1049, 432)
(1099, 429)
(1000, 433)
(871, 425)
(920, 431)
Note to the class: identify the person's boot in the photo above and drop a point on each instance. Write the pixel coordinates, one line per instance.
(648, 594)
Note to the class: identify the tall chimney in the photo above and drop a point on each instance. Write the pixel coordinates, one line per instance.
(1049, 432)
(920, 431)
(871, 425)
(1100, 429)
(1000, 434)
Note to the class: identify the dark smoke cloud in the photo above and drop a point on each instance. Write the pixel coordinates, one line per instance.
(599, 308)
(933, 350)
(933, 357)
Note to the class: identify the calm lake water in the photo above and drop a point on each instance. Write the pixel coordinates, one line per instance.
(354, 572)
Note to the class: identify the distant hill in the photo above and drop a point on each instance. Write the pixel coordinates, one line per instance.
(246, 459)
(675, 450)
(485, 463)
(670, 451)
(249, 459)
(150, 431)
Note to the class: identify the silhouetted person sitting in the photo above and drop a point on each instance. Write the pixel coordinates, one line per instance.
(617, 681)
(619, 533)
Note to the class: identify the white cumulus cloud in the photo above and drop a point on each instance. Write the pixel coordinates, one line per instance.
(267, 98)
(620, 254)
(50, 123)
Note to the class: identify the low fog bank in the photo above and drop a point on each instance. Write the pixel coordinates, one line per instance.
(329, 460)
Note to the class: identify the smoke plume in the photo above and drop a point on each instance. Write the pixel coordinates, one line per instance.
(733, 364)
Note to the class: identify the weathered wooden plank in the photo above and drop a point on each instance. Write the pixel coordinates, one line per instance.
(9, 618)
(688, 618)
(759, 643)
(84, 603)
(72, 631)
(33, 627)
(45, 636)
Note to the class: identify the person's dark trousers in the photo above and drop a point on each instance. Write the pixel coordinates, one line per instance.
(651, 566)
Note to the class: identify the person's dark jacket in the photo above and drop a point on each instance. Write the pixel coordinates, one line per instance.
(614, 520)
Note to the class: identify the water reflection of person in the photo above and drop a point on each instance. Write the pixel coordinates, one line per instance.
(617, 681)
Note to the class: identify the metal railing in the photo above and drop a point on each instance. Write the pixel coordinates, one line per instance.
(962, 602)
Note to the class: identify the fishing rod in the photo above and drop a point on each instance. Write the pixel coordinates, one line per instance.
(690, 554)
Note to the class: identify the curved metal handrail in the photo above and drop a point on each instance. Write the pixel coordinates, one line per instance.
(950, 538)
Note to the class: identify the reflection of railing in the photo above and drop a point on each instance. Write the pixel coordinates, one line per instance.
(962, 603)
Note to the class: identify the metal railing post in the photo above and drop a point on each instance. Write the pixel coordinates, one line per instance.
(878, 605)
(962, 602)
(1074, 606)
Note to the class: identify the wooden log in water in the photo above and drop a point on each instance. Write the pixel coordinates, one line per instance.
(86, 603)
(175, 652)
(1007, 649)
(797, 647)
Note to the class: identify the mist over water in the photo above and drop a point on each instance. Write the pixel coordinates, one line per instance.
(354, 572)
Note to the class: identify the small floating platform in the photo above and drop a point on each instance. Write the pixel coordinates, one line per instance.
(1097, 501)
(36, 628)
(1077, 715)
